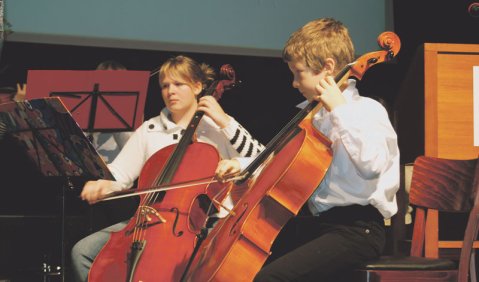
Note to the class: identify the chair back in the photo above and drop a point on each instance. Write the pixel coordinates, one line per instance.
(443, 184)
(448, 186)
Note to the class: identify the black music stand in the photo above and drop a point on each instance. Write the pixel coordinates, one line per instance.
(55, 143)
(97, 96)
(100, 101)
(105, 101)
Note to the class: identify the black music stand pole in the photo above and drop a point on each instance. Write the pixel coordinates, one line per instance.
(87, 104)
(100, 101)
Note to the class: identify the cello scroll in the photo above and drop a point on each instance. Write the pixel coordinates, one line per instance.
(389, 42)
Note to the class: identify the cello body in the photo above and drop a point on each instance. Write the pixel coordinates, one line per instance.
(159, 241)
(240, 243)
(171, 228)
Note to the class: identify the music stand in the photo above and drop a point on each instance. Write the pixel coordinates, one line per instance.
(99, 100)
(55, 143)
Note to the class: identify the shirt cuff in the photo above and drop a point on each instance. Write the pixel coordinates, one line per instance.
(117, 186)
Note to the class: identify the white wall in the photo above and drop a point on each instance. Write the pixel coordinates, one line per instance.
(246, 27)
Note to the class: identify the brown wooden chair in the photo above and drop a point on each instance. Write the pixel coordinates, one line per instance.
(437, 185)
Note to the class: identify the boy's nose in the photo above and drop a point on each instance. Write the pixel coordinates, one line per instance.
(171, 89)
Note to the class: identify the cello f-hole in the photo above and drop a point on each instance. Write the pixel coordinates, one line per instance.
(179, 233)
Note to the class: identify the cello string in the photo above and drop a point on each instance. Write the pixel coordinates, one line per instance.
(149, 200)
(142, 216)
(142, 219)
(220, 203)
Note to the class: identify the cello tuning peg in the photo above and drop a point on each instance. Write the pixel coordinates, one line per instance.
(390, 55)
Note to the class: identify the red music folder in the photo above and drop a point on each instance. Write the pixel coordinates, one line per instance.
(99, 100)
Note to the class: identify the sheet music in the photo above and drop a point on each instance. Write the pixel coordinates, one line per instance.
(52, 139)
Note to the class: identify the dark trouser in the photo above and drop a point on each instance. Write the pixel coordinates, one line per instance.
(325, 248)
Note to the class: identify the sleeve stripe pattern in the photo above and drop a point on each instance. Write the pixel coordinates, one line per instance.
(248, 147)
(235, 138)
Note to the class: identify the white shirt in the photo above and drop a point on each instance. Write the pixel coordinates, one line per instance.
(365, 166)
(159, 132)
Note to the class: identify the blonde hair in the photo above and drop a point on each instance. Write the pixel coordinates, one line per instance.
(187, 69)
(318, 40)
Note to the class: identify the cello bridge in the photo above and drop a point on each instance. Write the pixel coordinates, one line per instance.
(146, 212)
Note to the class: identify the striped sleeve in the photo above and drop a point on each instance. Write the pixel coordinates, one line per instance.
(241, 140)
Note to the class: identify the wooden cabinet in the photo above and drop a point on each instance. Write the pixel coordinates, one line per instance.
(434, 110)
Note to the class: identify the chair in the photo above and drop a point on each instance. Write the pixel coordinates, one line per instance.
(437, 185)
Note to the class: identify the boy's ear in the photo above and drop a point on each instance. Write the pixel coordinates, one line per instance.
(330, 65)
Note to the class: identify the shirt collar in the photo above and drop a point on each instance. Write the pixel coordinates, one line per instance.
(351, 92)
(163, 122)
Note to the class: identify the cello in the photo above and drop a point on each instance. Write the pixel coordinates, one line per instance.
(158, 241)
(240, 243)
